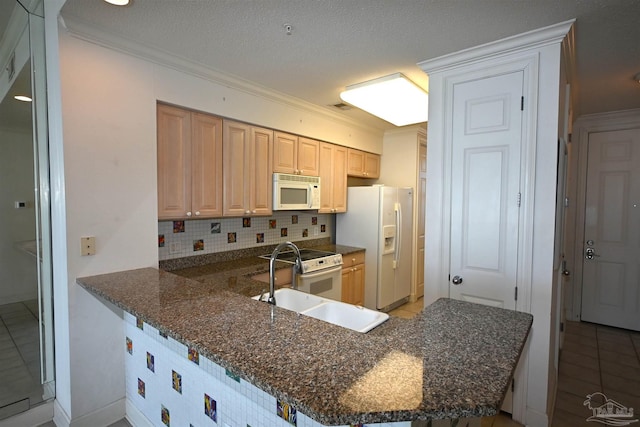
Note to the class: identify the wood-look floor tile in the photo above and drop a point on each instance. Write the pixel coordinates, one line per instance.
(579, 359)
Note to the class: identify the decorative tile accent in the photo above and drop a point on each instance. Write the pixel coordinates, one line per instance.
(194, 356)
(232, 375)
(163, 334)
(215, 234)
(287, 412)
(246, 222)
(178, 226)
(198, 245)
(231, 237)
(139, 323)
(129, 346)
(323, 228)
(305, 232)
(210, 408)
(141, 388)
(314, 220)
(259, 237)
(151, 365)
(161, 240)
(165, 416)
(176, 380)
(283, 232)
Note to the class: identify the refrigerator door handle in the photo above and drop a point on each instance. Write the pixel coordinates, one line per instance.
(396, 252)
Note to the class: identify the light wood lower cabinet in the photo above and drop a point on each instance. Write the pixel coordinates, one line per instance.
(353, 278)
(333, 178)
(248, 170)
(189, 164)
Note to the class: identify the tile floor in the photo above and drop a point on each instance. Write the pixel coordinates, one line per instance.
(19, 358)
(596, 358)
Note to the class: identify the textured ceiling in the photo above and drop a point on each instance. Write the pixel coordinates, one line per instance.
(335, 43)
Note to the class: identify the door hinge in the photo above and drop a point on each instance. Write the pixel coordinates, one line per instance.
(516, 294)
(561, 326)
(522, 103)
(513, 385)
(519, 199)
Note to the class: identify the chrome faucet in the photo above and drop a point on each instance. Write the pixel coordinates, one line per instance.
(272, 267)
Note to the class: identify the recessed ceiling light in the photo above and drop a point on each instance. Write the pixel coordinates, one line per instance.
(22, 98)
(118, 2)
(393, 98)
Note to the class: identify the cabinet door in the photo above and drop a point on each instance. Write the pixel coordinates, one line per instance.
(358, 285)
(308, 156)
(347, 286)
(235, 152)
(353, 285)
(339, 179)
(326, 178)
(371, 165)
(355, 162)
(174, 162)
(285, 152)
(206, 165)
(333, 178)
(260, 170)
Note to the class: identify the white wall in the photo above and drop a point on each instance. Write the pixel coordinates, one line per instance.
(109, 130)
(18, 269)
(542, 52)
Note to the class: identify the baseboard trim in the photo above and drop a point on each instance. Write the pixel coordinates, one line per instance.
(104, 416)
(36, 416)
(135, 417)
(536, 419)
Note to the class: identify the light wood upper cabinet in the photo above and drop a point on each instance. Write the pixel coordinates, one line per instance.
(247, 151)
(295, 155)
(189, 164)
(363, 164)
(333, 178)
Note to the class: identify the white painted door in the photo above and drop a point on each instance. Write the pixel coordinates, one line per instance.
(487, 134)
(610, 284)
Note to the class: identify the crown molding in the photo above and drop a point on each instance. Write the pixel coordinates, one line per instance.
(531, 39)
(82, 31)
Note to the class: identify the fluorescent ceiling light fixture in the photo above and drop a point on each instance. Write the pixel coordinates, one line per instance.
(22, 98)
(118, 2)
(393, 98)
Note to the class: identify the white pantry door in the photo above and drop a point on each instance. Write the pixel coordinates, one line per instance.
(610, 284)
(485, 185)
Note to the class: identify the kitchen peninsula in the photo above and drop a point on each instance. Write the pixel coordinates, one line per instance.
(227, 360)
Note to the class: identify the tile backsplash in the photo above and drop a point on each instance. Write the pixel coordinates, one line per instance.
(177, 239)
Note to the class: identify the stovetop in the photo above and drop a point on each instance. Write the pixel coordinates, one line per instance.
(312, 260)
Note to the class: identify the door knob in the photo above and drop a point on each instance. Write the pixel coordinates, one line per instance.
(590, 253)
(456, 280)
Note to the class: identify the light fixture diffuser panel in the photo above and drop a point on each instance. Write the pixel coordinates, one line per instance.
(392, 98)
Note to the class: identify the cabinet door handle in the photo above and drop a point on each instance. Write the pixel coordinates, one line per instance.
(247, 212)
(197, 213)
(188, 213)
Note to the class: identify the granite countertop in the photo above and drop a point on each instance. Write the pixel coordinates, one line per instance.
(453, 360)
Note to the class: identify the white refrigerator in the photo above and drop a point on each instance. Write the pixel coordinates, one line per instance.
(379, 219)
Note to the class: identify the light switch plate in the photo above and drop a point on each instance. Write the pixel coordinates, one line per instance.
(87, 246)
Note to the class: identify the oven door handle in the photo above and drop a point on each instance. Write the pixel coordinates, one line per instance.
(321, 272)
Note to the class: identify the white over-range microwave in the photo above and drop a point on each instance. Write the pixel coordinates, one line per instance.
(295, 192)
